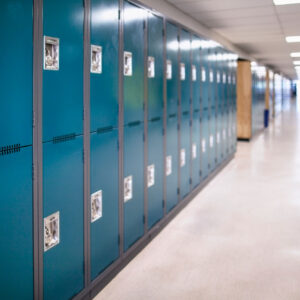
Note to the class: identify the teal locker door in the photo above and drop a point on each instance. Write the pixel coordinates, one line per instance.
(16, 72)
(205, 102)
(133, 184)
(196, 74)
(212, 140)
(195, 159)
(172, 68)
(63, 68)
(171, 161)
(104, 201)
(16, 252)
(184, 156)
(63, 195)
(104, 73)
(133, 60)
(185, 71)
(155, 175)
(205, 144)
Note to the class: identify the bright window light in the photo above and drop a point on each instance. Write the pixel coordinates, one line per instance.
(285, 2)
(297, 62)
(293, 39)
(295, 54)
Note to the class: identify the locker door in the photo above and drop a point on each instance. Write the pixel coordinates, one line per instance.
(104, 201)
(205, 79)
(205, 144)
(105, 63)
(63, 68)
(16, 252)
(171, 161)
(212, 140)
(133, 184)
(134, 18)
(155, 171)
(195, 159)
(16, 73)
(63, 209)
(184, 156)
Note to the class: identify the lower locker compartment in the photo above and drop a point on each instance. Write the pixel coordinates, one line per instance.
(218, 137)
(171, 161)
(63, 219)
(104, 201)
(212, 140)
(184, 156)
(225, 134)
(205, 144)
(155, 171)
(133, 184)
(16, 251)
(195, 161)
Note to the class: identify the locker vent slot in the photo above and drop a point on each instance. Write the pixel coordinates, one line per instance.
(64, 138)
(171, 116)
(185, 113)
(132, 124)
(155, 119)
(10, 149)
(196, 110)
(105, 129)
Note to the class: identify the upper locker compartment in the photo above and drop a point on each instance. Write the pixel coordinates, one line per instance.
(63, 68)
(134, 19)
(204, 75)
(104, 64)
(185, 71)
(16, 73)
(195, 73)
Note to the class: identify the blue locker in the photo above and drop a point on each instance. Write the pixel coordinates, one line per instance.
(212, 140)
(195, 153)
(212, 80)
(219, 108)
(184, 156)
(63, 87)
(185, 71)
(196, 74)
(63, 193)
(205, 143)
(16, 73)
(205, 85)
(171, 162)
(104, 82)
(104, 180)
(155, 172)
(133, 184)
(16, 251)
(134, 78)
(155, 80)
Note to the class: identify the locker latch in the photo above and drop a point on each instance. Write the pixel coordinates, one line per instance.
(151, 67)
(127, 63)
(151, 175)
(168, 165)
(96, 206)
(96, 59)
(127, 188)
(51, 53)
(51, 231)
(182, 157)
(182, 71)
(169, 70)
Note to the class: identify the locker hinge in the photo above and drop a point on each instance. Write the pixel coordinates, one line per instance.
(33, 173)
(144, 219)
(119, 240)
(119, 14)
(178, 191)
(83, 156)
(191, 181)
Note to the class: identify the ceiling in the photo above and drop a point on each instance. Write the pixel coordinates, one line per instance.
(257, 27)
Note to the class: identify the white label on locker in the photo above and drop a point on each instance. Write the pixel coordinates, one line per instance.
(151, 175)
(203, 74)
(211, 76)
(224, 77)
(151, 67)
(224, 134)
(211, 141)
(182, 157)
(169, 70)
(182, 71)
(194, 151)
(168, 165)
(203, 145)
(96, 59)
(218, 77)
(51, 53)
(127, 188)
(127, 63)
(96, 206)
(51, 231)
(229, 79)
(218, 138)
(194, 73)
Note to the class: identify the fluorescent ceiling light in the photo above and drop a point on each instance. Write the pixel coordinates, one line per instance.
(295, 54)
(297, 62)
(285, 2)
(293, 39)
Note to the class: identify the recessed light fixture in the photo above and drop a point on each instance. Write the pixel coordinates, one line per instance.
(293, 39)
(285, 2)
(295, 54)
(297, 62)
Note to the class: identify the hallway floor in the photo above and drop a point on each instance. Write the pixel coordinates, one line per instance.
(238, 239)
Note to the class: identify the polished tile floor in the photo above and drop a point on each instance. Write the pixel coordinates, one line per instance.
(238, 239)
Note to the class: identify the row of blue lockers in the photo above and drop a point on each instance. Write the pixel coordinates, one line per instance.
(178, 124)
